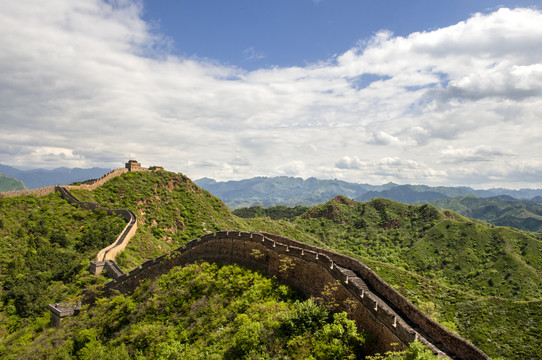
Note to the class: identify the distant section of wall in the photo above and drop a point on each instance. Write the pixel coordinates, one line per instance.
(38, 192)
(333, 277)
(96, 183)
(88, 185)
(111, 251)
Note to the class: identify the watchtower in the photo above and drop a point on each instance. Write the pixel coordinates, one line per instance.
(133, 165)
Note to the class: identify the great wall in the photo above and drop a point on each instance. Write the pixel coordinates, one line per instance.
(315, 272)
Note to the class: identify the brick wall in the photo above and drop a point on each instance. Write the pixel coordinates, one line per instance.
(370, 301)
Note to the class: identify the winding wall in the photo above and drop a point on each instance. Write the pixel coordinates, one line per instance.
(87, 185)
(110, 252)
(316, 272)
(355, 288)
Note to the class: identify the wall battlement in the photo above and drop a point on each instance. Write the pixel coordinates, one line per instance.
(131, 165)
(355, 288)
(315, 272)
(111, 251)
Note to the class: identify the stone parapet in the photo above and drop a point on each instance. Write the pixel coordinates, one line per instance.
(318, 273)
(61, 310)
(44, 191)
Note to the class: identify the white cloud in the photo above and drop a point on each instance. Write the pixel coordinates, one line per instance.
(478, 153)
(382, 138)
(348, 162)
(89, 83)
(251, 54)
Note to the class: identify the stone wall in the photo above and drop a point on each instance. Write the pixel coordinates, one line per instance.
(111, 251)
(315, 272)
(37, 192)
(88, 185)
(96, 183)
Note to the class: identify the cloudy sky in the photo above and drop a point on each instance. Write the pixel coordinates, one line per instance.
(422, 92)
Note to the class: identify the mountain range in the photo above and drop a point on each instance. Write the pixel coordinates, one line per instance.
(36, 178)
(521, 209)
(291, 191)
(502, 207)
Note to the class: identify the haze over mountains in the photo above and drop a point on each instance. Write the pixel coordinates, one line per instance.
(292, 191)
(521, 209)
(36, 178)
(502, 207)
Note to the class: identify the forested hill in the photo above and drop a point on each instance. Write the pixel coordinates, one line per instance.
(500, 210)
(481, 281)
(8, 183)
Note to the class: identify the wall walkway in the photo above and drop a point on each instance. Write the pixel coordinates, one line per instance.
(315, 272)
(106, 256)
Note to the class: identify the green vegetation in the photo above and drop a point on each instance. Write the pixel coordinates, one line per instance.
(280, 212)
(46, 245)
(416, 351)
(8, 183)
(482, 281)
(472, 277)
(200, 311)
(170, 208)
(499, 211)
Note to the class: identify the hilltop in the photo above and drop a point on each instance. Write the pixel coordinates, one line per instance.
(501, 210)
(516, 208)
(476, 279)
(8, 183)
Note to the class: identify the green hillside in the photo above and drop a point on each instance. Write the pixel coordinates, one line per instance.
(8, 183)
(200, 311)
(45, 250)
(481, 281)
(499, 210)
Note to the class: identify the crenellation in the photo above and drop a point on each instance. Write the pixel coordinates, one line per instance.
(147, 263)
(295, 251)
(236, 250)
(308, 269)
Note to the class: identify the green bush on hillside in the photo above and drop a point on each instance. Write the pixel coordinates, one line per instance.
(201, 311)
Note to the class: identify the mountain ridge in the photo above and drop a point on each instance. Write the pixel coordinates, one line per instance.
(8, 183)
(37, 178)
(249, 192)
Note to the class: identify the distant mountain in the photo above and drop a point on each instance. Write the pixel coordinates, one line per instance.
(37, 178)
(283, 190)
(502, 210)
(290, 191)
(410, 194)
(8, 184)
(523, 194)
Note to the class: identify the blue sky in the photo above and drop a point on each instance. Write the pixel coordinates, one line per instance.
(253, 34)
(420, 92)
